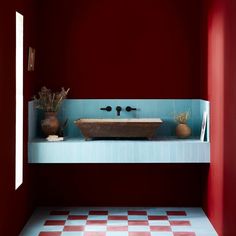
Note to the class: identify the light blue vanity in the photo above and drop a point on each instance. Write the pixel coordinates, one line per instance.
(165, 148)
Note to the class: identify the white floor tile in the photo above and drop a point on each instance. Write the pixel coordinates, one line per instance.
(199, 222)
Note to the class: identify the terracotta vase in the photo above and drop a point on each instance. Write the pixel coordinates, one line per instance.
(50, 125)
(183, 131)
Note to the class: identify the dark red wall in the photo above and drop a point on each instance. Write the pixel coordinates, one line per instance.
(120, 184)
(16, 206)
(229, 122)
(221, 93)
(121, 49)
(216, 97)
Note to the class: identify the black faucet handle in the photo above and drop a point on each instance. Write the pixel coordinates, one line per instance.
(118, 109)
(128, 109)
(108, 108)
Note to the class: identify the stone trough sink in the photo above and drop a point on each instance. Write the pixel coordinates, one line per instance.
(119, 128)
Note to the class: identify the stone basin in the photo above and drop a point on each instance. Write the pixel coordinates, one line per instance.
(119, 128)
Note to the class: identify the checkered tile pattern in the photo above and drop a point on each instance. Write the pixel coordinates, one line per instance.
(115, 222)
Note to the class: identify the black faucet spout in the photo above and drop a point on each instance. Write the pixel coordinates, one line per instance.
(118, 109)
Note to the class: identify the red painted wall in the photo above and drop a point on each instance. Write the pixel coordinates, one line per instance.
(221, 93)
(229, 121)
(216, 97)
(121, 49)
(16, 206)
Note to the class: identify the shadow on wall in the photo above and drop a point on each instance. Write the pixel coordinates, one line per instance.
(120, 184)
(121, 49)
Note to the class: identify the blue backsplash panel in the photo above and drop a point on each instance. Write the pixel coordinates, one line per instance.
(165, 109)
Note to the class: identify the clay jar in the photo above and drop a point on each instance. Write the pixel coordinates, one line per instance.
(50, 124)
(183, 130)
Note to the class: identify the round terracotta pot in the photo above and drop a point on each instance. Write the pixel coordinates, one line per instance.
(183, 131)
(50, 125)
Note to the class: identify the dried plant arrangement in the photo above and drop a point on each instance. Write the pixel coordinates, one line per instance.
(49, 101)
(183, 117)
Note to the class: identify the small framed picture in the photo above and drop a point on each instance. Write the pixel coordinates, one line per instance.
(31, 59)
(203, 129)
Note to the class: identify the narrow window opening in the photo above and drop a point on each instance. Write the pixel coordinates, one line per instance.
(19, 102)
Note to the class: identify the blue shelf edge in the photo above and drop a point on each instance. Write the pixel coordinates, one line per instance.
(80, 151)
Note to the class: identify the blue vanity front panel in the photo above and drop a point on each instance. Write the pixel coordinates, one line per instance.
(80, 151)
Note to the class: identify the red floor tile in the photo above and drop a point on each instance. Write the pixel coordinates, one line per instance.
(117, 228)
(99, 213)
(157, 217)
(96, 222)
(74, 228)
(77, 217)
(160, 228)
(184, 234)
(180, 223)
(110, 221)
(137, 213)
(176, 213)
(59, 213)
(113, 217)
(138, 222)
(139, 234)
(50, 234)
(55, 222)
(95, 234)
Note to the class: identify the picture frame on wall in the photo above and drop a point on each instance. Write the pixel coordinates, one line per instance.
(31, 59)
(203, 128)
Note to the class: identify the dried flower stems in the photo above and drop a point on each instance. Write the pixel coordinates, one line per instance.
(182, 117)
(48, 101)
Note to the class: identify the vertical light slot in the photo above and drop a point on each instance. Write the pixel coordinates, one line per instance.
(19, 102)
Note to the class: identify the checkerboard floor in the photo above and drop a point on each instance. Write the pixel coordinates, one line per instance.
(93, 221)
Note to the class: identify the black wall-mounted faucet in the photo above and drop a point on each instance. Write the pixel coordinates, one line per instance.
(108, 108)
(128, 109)
(118, 109)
